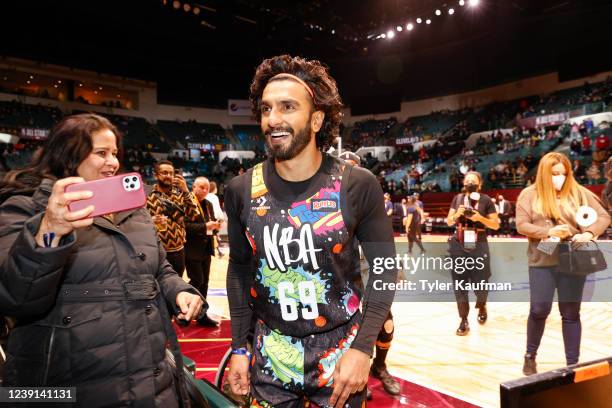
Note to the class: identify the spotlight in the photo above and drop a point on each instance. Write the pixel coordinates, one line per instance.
(383, 35)
(438, 12)
(187, 7)
(28, 81)
(399, 28)
(333, 31)
(474, 3)
(428, 21)
(31, 77)
(55, 86)
(419, 20)
(462, 3)
(176, 4)
(390, 34)
(451, 11)
(409, 26)
(80, 85)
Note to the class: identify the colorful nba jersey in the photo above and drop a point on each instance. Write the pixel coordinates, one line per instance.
(306, 279)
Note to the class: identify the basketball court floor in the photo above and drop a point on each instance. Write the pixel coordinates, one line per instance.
(436, 367)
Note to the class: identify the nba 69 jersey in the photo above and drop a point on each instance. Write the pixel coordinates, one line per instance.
(306, 280)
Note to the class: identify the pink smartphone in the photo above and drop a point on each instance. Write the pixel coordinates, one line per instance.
(111, 194)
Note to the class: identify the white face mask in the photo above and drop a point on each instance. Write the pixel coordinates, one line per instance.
(558, 181)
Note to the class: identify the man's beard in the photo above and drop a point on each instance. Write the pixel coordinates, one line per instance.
(298, 143)
(164, 184)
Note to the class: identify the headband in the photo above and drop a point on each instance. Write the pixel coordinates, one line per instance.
(297, 79)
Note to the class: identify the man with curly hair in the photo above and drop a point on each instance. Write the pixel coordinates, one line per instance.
(292, 224)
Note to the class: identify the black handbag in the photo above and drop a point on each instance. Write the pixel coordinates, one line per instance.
(583, 260)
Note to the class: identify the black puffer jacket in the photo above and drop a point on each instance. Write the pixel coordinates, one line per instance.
(91, 313)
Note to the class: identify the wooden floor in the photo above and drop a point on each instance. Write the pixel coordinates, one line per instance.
(427, 352)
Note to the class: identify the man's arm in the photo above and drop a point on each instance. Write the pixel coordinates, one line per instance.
(239, 271)
(375, 234)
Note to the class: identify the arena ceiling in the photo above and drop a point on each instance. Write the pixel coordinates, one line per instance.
(203, 59)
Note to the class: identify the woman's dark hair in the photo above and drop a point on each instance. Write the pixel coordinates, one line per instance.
(316, 76)
(68, 145)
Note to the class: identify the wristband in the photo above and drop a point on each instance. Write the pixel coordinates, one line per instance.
(242, 352)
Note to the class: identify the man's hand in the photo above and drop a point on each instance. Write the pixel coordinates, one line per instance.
(212, 225)
(350, 376)
(180, 183)
(238, 374)
(190, 305)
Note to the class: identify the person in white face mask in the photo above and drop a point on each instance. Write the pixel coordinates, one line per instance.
(546, 211)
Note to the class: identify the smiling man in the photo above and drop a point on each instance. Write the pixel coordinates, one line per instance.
(292, 223)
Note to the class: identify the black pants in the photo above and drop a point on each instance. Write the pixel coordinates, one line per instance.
(199, 273)
(473, 275)
(542, 285)
(177, 260)
(413, 235)
(504, 224)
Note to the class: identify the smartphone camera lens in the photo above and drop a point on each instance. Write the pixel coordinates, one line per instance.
(134, 179)
(132, 186)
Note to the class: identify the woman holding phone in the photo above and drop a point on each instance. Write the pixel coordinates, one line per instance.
(471, 213)
(546, 212)
(91, 296)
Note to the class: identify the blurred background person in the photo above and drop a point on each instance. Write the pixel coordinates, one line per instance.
(170, 204)
(199, 245)
(413, 224)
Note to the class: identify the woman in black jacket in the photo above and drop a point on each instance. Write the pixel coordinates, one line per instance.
(91, 296)
(472, 213)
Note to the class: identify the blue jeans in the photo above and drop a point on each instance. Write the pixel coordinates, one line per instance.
(543, 281)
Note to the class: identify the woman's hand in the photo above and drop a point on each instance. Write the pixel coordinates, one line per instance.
(561, 231)
(459, 211)
(584, 237)
(190, 305)
(475, 217)
(58, 219)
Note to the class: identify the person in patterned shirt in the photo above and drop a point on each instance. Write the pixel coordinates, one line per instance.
(169, 204)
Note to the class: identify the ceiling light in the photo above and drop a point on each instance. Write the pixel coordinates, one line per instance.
(451, 11)
(438, 12)
(428, 21)
(409, 26)
(419, 20)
